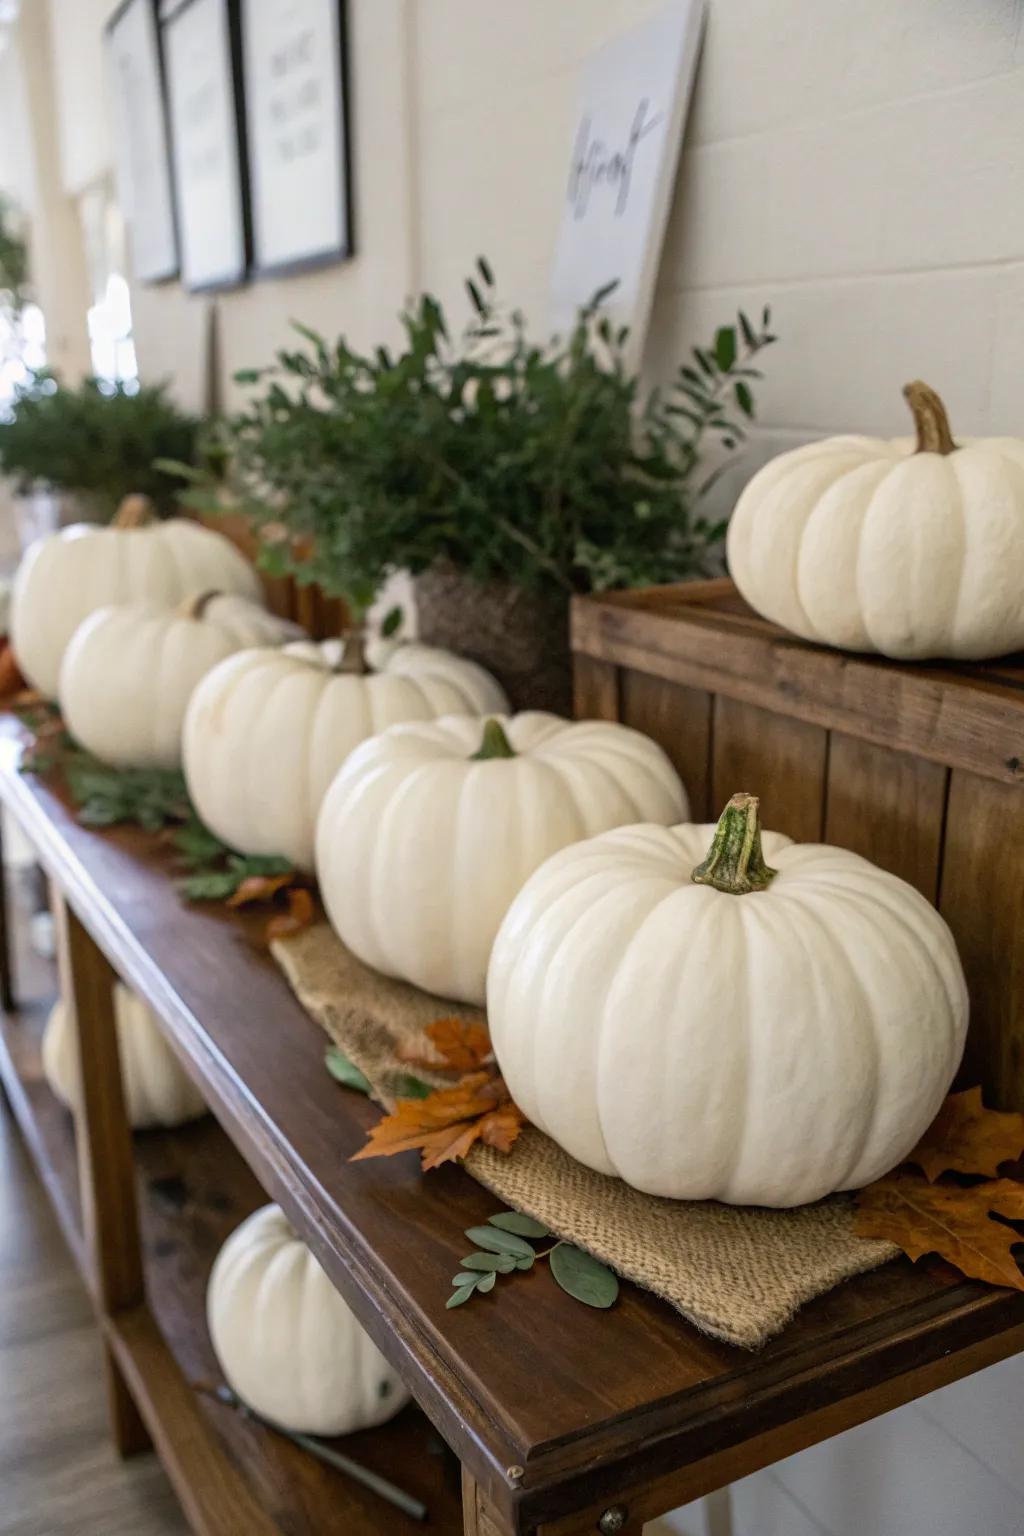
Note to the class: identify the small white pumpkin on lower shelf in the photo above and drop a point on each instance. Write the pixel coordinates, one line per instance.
(431, 829)
(157, 1090)
(130, 670)
(672, 1010)
(287, 1342)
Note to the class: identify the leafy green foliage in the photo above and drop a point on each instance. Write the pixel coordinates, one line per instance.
(97, 440)
(13, 257)
(150, 798)
(548, 466)
(344, 1071)
(502, 1249)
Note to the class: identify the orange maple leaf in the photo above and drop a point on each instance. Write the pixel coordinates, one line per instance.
(258, 888)
(444, 1125)
(459, 1045)
(946, 1219)
(301, 912)
(965, 1137)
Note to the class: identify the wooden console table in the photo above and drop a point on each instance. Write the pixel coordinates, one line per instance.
(565, 1421)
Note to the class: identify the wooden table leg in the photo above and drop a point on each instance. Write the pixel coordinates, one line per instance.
(106, 1158)
(6, 963)
(478, 1515)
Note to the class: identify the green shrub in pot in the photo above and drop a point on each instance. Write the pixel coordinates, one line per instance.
(503, 474)
(96, 442)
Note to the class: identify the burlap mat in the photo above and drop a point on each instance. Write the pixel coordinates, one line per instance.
(737, 1272)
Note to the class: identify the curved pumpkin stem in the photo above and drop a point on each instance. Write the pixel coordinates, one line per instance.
(353, 658)
(494, 744)
(735, 863)
(930, 419)
(195, 607)
(134, 511)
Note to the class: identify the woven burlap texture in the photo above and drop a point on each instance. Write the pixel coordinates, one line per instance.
(737, 1272)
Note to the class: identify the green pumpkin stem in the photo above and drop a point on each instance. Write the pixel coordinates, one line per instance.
(735, 863)
(930, 419)
(494, 744)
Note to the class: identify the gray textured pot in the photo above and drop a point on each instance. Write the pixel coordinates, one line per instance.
(522, 637)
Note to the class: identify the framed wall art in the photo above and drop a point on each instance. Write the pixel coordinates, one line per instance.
(139, 113)
(296, 103)
(205, 95)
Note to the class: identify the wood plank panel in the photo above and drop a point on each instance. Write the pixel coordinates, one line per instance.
(679, 720)
(887, 806)
(780, 760)
(595, 689)
(982, 899)
(938, 712)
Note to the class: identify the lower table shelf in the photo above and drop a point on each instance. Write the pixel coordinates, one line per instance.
(193, 1190)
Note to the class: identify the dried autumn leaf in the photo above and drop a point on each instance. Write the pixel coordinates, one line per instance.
(965, 1137)
(12, 683)
(259, 888)
(945, 1219)
(460, 1045)
(300, 914)
(444, 1125)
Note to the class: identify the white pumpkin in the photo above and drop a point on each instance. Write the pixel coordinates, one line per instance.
(68, 575)
(156, 1088)
(266, 732)
(913, 549)
(430, 830)
(129, 671)
(762, 1041)
(287, 1342)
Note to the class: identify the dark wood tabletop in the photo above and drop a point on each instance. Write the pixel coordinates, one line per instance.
(553, 1409)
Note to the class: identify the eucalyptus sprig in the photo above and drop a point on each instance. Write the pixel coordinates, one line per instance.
(502, 1249)
(547, 465)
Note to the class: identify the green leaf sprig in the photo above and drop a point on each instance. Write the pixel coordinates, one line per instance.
(551, 465)
(402, 1086)
(502, 1249)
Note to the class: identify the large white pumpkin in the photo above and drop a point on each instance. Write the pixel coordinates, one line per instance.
(910, 548)
(287, 1342)
(429, 831)
(157, 1090)
(68, 575)
(762, 1041)
(130, 670)
(266, 732)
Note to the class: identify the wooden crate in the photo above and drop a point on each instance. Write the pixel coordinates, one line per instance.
(918, 767)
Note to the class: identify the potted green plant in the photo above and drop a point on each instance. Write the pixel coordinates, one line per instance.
(95, 443)
(504, 475)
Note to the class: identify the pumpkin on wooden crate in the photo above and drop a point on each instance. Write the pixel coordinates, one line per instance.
(130, 670)
(910, 547)
(430, 830)
(157, 1090)
(266, 732)
(68, 575)
(287, 1342)
(711, 1015)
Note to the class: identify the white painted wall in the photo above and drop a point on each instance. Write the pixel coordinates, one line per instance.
(857, 163)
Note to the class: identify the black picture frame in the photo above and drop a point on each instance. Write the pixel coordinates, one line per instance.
(171, 12)
(167, 272)
(345, 249)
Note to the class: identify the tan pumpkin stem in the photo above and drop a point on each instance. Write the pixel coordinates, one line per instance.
(134, 511)
(494, 744)
(735, 863)
(353, 659)
(195, 607)
(930, 419)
